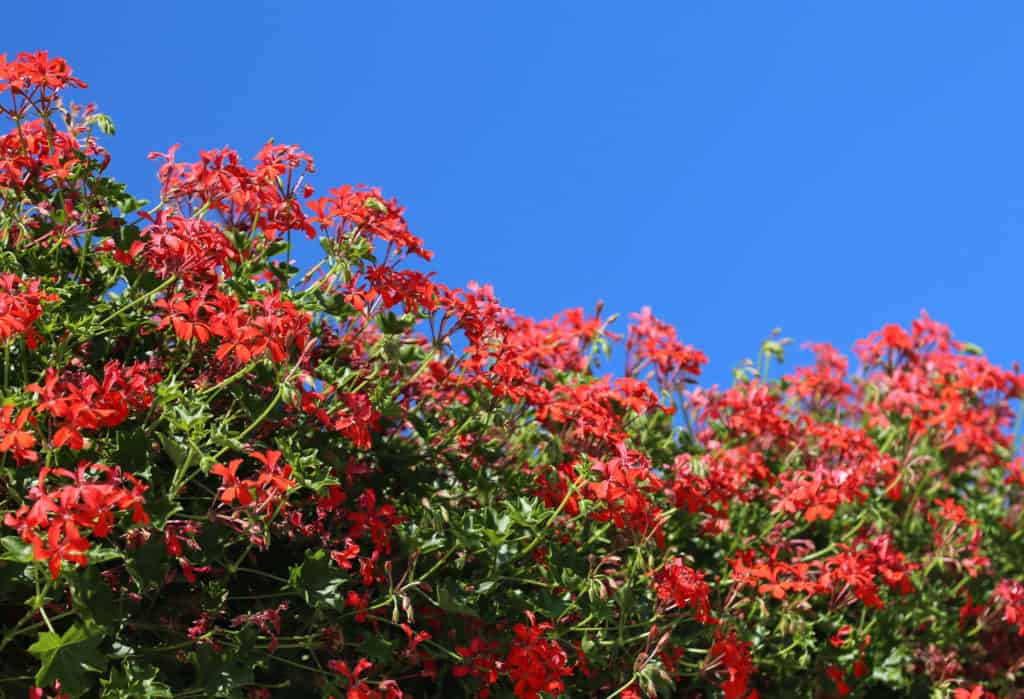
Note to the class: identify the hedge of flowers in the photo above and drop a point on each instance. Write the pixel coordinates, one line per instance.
(224, 476)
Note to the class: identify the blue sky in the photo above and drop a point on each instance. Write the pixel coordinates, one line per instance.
(823, 167)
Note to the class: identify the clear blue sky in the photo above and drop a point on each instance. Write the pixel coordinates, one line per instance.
(824, 167)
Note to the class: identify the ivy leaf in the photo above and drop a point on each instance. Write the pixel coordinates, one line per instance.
(92, 595)
(102, 555)
(105, 124)
(318, 580)
(133, 447)
(68, 658)
(16, 550)
(134, 682)
(892, 672)
(222, 674)
(377, 648)
(449, 600)
(149, 564)
(173, 449)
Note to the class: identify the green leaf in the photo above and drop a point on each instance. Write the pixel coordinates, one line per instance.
(105, 124)
(133, 449)
(222, 674)
(377, 648)
(393, 324)
(375, 204)
(149, 563)
(102, 555)
(16, 550)
(160, 509)
(92, 596)
(319, 580)
(134, 683)
(892, 671)
(448, 600)
(175, 451)
(69, 658)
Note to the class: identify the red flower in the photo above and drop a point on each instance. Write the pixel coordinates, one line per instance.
(233, 488)
(189, 318)
(652, 342)
(535, 663)
(80, 402)
(836, 675)
(14, 439)
(677, 583)
(21, 305)
(731, 656)
(366, 212)
(35, 70)
(478, 661)
(59, 514)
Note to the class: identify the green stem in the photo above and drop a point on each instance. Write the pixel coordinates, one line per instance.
(573, 489)
(623, 688)
(163, 285)
(269, 576)
(217, 388)
(433, 569)
(292, 663)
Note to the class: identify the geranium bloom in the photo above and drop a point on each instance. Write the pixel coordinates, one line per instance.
(535, 663)
(684, 587)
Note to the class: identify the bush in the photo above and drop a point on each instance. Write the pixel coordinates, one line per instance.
(225, 476)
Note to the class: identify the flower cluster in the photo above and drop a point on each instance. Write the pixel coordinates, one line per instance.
(89, 498)
(224, 476)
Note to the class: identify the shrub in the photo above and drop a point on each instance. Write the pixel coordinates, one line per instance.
(225, 476)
